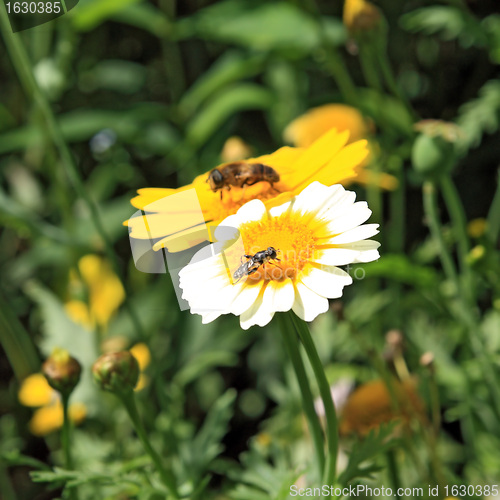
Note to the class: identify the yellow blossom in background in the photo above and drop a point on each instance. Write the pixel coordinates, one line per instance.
(142, 354)
(105, 293)
(477, 227)
(360, 16)
(329, 160)
(305, 129)
(370, 405)
(235, 149)
(35, 392)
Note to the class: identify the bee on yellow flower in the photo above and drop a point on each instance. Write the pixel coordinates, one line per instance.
(178, 222)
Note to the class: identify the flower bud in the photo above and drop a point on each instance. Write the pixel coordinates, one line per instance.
(62, 371)
(116, 372)
(432, 156)
(361, 16)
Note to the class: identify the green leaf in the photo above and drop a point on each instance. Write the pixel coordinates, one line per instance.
(259, 26)
(229, 68)
(129, 125)
(206, 445)
(146, 17)
(400, 268)
(449, 23)
(91, 13)
(222, 106)
(481, 115)
(365, 450)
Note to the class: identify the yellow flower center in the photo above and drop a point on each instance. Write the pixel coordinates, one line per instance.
(234, 198)
(292, 238)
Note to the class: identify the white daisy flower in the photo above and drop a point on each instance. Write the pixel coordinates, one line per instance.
(313, 234)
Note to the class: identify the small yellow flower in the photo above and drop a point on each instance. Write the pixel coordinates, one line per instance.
(35, 392)
(370, 405)
(235, 149)
(305, 129)
(477, 227)
(328, 160)
(105, 293)
(361, 16)
(142, 353)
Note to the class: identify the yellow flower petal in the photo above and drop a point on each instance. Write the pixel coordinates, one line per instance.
(142, 354)
(142, 382)
(35, 391)
(50, 418)
(79, 312)
(106, 292)
(305, 129)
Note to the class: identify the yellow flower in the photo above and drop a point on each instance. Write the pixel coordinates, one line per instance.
(301, 244)
(142, 354)
(361, 16)
(235, 149)
(328, 160)
(105, 293)
(305, 129)
(477, 227)
(370, 405)
(35, 392)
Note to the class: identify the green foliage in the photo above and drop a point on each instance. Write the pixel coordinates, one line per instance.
(481, 115)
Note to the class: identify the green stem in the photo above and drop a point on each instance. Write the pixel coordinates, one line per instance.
(385, 67)
(168, 479)
(393, 472)
(287, 330)
(368, 68)
(337, 69)
(332, 433)
(493, 228)
(430, 208)
(66, 441)
(459, 222)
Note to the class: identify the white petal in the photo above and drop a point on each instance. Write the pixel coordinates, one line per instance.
(277, 211)
(335, 256)
(328, 281)
(308, 304)
(314, 197)
(252, 211)
(352, 217)
(257, 314)
(353, 235)
(367, 250)
(245, 297)
(279, 296)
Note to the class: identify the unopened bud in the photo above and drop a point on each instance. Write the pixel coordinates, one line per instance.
(62, 371)
(361, 16)
(116, 372)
